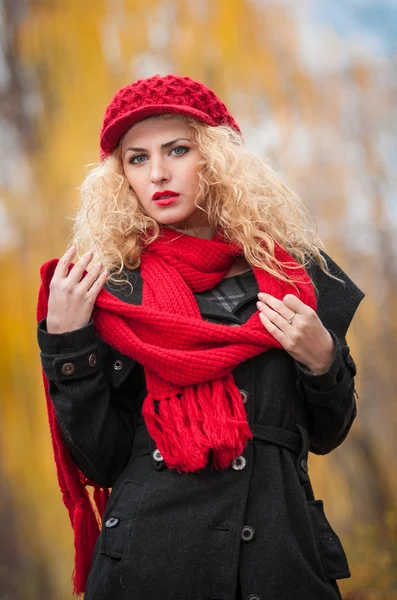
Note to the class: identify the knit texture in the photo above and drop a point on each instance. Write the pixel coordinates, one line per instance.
(193, 409)
(159, 95)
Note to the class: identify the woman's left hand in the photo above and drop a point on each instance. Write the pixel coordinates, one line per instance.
(299, 330)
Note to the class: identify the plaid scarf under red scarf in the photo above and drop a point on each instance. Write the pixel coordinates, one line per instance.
(193, 407)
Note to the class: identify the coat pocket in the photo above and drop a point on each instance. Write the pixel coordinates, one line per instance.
(330, 547)
(119, 520)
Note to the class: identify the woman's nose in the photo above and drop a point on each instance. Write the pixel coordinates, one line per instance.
(159, 173)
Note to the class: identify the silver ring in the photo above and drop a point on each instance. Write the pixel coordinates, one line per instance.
(290, 319)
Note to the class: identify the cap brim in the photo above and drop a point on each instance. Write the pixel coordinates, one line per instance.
(114, 132)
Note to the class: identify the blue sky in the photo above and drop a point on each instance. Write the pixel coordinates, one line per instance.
(374, 19)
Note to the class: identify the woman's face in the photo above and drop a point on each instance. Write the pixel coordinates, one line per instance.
(161, 164)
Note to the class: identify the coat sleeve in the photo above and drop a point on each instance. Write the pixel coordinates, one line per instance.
(96, 393)
(331, 397)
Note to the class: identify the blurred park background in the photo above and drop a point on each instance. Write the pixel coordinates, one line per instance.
(313, 84)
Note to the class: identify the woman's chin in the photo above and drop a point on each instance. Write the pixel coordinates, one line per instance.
(174, 221)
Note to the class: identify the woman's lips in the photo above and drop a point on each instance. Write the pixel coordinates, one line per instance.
(166, 200)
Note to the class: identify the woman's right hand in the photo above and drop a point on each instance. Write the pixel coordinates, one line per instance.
(72, 295)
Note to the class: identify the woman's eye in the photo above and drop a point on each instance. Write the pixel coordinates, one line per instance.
(179, 150)
(139, 158)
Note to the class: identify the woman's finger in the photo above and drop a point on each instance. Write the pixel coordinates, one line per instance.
(61, 270)
(98, 284)
(76, 274)
(296, 305)
(91, 276)
(274, 317)
(277, 305)
(278, 335)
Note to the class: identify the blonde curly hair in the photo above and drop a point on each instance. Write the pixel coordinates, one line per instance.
(239, 191)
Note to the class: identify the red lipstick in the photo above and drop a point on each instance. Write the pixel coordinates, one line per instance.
(165, 197)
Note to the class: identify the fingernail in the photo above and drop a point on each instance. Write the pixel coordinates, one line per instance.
(259, 304)
(261, 295)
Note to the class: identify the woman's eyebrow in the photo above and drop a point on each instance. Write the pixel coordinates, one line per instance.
(166, 145)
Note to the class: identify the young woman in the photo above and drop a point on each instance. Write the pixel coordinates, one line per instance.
(195, 364)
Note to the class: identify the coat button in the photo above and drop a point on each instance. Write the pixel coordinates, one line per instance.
(244, 396)
(247, 534)
(157, 456)
(92, 360)
(304, 466)
(118, 365)
(239, 463)
(68, 369)
(254, 597)
(112, 522)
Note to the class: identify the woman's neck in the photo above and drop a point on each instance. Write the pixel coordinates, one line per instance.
(205, 232)
(240, 266)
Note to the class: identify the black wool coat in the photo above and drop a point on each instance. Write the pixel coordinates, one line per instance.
(253, 531)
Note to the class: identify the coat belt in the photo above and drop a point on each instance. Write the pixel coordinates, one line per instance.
(143, 443)
(275, 435)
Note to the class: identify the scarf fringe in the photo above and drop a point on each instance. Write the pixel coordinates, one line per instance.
(188, 426)
(101, 496)
(86, 531)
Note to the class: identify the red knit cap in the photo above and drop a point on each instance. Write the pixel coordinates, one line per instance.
(159, 95)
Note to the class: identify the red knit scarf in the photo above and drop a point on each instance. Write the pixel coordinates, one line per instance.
(193, 407)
